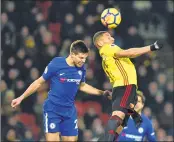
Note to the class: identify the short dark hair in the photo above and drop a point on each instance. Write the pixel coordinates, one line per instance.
(97, 36)
(141, 95)
(78, 46)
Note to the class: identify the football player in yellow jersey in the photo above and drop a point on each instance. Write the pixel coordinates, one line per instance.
(122, 75)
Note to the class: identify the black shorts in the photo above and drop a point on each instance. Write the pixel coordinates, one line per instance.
(122, 97)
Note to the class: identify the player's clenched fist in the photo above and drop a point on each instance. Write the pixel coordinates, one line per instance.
(108, 94)
(156, 46)
(16, 102)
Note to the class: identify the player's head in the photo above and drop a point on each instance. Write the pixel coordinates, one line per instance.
(79, 52)
(101, 38)
(140, 101)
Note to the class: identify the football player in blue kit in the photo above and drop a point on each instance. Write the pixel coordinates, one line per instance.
(66, 76)
(134, 132)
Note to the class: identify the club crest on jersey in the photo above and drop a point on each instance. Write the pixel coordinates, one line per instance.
(80, 72)
(112, 45)
(52, 125)
(140, 130)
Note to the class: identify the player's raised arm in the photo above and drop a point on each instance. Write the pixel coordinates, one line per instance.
(93, 91)
(134, 52)
(48, 73)
(30, 90)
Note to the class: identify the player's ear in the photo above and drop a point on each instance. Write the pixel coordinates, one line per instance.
(71, 54)
(100, 43)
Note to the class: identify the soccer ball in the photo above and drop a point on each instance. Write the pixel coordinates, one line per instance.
(111, 18)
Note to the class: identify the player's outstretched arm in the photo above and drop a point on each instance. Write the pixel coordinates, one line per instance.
(134, 52)
(94, 91)
(30, 90)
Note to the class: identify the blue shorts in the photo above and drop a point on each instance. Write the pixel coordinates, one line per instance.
(60, 119)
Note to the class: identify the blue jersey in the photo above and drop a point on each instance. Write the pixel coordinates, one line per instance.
(64, 81)
(131, 133)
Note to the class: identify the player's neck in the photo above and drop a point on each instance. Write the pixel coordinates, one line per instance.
(139, 112)
(69, 61)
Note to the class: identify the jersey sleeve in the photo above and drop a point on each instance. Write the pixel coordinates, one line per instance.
(114, 49)
(151, 133)
(50, 70)
(110, 50)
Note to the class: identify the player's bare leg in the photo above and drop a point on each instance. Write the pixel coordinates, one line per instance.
(69, 138)
(119, 114)
(119, 129)
(52, 137)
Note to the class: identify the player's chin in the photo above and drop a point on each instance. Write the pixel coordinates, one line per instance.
(136, 109)
(79, 65)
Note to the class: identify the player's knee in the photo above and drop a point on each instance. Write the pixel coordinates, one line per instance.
(52, 136)
(69, 138)
(120, 114)
(113, 123)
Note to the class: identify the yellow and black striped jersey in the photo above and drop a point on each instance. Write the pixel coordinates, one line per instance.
(121, 71)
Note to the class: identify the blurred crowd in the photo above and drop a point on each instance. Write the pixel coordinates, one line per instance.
(34, 32)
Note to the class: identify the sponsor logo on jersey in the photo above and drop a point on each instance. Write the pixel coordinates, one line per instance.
(77, 81)
(74, 80)
(135, 137)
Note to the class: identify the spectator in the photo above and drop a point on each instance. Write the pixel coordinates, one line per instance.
(161, 78)
(89, 117)
(28, 136)
(167, 114)
(161, 134)
(27, 42)
(3, 89)
(97, 128)
(155, 123)
(147, 112)
(19, 87)
(42, 29)
(133, 39)
(68, 26)
(65, 47)
(13, 73)
(40, 19)
(8, 36)
(80, 14)
(14, 130)
(169, 90)
(87, 135)
(20, 58)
